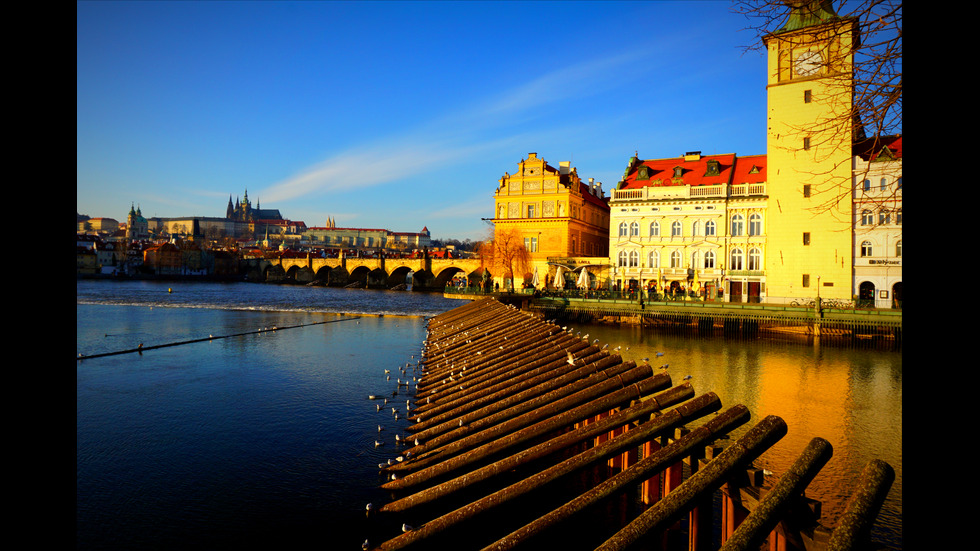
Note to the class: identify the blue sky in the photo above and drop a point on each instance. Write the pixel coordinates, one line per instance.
(395, 115)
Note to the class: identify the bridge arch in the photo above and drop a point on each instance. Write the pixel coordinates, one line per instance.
(332, 276)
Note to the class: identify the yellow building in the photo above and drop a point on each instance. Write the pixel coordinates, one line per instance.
(810, 132)
(563, 221)
(695, 223)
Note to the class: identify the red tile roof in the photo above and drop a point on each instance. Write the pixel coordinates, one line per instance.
(870, 148)
(695, 172)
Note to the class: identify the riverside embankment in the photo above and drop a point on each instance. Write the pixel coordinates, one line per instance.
(817, 324)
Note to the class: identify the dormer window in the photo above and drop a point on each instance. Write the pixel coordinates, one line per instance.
(643, 173)
(714, 168)
(678, 172)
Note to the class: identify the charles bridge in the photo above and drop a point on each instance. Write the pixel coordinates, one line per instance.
(427, 273)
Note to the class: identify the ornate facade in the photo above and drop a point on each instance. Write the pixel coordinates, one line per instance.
(561, 219)
(693, 223)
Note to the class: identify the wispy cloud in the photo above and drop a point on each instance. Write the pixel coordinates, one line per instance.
(452, 137)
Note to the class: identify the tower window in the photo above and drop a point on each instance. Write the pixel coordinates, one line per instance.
(806, 143)
(807, 96)
(806, 238)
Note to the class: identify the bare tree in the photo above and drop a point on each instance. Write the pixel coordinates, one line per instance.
(870, 84)
(505, 251)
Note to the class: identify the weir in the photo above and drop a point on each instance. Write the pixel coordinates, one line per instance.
(529, 435)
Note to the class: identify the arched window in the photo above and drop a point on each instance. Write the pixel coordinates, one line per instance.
(866, 248)
(654, 229)
(735, 262)
(867, 185)
(696, 228)
(635, 229)
(675, 228)
(653, 258)
(755, 259)
(738, 225)
(709, 259)
(695, 259)
(755, 224)
(622, 229)
(675, 259)
(867, 217)
(709, 228)
(883, 185)
(634, 259)
(622, 259)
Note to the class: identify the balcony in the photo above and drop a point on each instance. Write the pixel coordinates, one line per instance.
(660, 193)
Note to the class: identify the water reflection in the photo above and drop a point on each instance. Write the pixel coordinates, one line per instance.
(852, 398)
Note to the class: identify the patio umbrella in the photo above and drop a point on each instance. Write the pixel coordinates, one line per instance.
(583, 279)
(559, 279)
(534, 278)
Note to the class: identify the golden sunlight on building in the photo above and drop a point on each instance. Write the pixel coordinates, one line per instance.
(562, 220)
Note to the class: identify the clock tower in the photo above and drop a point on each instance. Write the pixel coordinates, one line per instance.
(809, 136)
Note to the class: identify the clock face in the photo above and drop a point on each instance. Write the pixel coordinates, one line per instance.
(808, 63)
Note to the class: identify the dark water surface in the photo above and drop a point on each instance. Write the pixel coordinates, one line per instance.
(267, 440)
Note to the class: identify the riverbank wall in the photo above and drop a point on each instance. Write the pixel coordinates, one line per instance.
(847, 327)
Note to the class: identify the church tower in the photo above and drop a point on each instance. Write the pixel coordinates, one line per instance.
(809, 141)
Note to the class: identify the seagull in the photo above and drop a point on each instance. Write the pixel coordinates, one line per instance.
(687, 378)
(660, 354)
(377, 443)
(571, 359)
(664, 366)
(406, 528)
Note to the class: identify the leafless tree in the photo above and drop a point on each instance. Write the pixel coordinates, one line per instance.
(875, 102)
(505, 251)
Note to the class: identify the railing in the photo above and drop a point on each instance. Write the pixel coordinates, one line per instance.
(651, 193)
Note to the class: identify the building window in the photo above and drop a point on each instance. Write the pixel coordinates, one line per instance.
(622, 259)
(755, 259)
(755, 225)
(867, 217)
(654, 229)
(867, 185)
(530, 211)
(866, 248)
(807, 96)
(806, 143)
(806, 238)
(884, 217)
(675, 228)
(806, 190)
(696, 227)
(709, 259)
(634, 259)
(653, 259)
(635, 229)
(735, 262)
(531, 244)
(709, 228)
(675, 259)
(806, 280)
(884, 184)
(738, 225)
(898, 249)
(622, 229)
(898, 216)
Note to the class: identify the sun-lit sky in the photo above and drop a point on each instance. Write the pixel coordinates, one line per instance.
(395, 115)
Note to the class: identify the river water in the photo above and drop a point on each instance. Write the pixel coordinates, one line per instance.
(262, 438)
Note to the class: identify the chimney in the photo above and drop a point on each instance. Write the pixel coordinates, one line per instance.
(564, 167)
